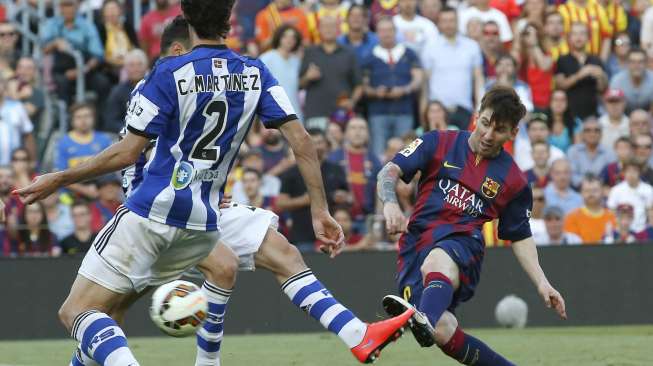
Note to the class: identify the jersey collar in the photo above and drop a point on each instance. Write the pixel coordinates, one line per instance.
(215, 46)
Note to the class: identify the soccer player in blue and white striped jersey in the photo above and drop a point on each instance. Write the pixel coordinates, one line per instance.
(199, 107)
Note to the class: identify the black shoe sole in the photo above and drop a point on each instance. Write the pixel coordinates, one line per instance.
(422, 334)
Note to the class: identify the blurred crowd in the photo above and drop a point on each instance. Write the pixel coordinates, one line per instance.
(366, 77)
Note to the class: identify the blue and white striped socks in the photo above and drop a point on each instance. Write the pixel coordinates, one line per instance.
(209, 336)
(102, 340)
(307, 293)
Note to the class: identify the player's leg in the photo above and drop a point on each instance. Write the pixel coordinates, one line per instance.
(219, 270)
(307, 293)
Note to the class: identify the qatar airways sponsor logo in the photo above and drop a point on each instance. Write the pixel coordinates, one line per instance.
(460, 197)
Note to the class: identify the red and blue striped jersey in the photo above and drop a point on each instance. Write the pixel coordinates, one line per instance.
(458, 192)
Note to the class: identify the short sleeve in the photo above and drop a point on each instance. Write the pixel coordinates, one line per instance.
(274, 107)
(26, 125)
(514, 220)
(417, 155)
(152, 106)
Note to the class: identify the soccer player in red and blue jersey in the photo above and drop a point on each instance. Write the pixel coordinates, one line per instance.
(466, 179)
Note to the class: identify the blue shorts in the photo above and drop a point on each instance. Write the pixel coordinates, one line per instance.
(467, 252)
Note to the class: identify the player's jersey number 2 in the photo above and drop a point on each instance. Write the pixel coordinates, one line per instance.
(205, 149)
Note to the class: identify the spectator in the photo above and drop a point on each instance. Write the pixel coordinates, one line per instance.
(252, 181)
(646, 35)
(13, 204)
(614, 123)
(537, 129)
(335, 136)
(360, 166)
(580, 74)
(538, 176)
(8, 51)
(331, 77)
(613, 172)
(280, 12)
(283, 61)
(135, 62)
(506, 75)
(555, 43)
(538, 228)
(327, 8)
(644, 155)
(482, 10)
(622, 232)
(355, 241)
(435, 118)
(274, 152)
(455, 61)
(412, 30)
(58, 215)
(591, 221)
(15, 126)
(23, 167)
(536, 66)
(616, 15)
(153, 24)
(559, 192)
(634, 192)
(618, 60)
(555, 233)
(595, 21)
(358, 37)
(246, 12)
(533, 14)
(270, 184)
(381, 9)
(430, 9)
(475, 30)
(588, 156)
(392, 75)
(33, 238)
(26, 88)
(110, 197)
(640, 123)
(491, 47)
(294, 199)
(636, 82)
(394, 145)
(81, 239)
(72, 31)
(118, 37)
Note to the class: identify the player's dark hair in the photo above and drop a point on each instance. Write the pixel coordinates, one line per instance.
(278, 34)
(253, 171)
(175, 31)
(505, 104)
(209, 18)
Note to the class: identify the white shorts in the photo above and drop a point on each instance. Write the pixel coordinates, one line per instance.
(132, 252)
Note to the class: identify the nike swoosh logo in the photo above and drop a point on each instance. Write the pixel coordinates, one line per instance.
(369, 343)
(447, 165)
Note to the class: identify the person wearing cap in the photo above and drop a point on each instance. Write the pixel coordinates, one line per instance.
(591, 220)
(538, 130)
(588, 156)
(553, 221)
(622, 233)
(559, 192)
(614, 123)
(636, 81)
(634, 192)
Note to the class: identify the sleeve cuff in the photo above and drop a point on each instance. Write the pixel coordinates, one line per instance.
(138, 132)
(276, 123)
(516, 236)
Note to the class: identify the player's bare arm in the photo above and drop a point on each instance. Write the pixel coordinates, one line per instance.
(526, 253)
(116, 157)
(326, 228)
(395, 221)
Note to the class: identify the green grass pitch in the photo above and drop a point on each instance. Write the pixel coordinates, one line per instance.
(577, 346)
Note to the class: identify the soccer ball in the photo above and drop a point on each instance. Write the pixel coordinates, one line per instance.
(179, 308)
(511, 312)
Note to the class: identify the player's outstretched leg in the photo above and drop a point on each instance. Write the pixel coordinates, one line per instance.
(219, 269)
(84, 315)
(307, 293)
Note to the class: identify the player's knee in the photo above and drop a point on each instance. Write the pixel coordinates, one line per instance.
(445, 328)
(427, 268)
(67, 314)
(221, 268)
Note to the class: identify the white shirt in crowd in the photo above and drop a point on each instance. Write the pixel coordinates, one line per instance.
(505, 32)
(609, 134)
(14, 123)
(415, 33)
(640, 197)
(524, 154)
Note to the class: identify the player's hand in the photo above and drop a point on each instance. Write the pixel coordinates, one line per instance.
(329, 232)
(395, 221)
(226, 201)
(553, 299)
(40, 188)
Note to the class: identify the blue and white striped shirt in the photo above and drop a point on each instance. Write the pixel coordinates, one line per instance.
(199, 107)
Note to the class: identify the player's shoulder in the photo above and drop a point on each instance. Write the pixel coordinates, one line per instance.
(516, 178)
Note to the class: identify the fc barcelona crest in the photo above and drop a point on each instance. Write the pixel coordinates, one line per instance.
(490, 188)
